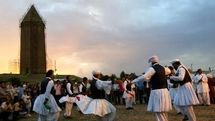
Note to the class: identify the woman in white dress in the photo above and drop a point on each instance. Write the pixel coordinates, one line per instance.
(45, 105)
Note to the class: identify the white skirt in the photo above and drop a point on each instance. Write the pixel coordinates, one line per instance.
(67, 99)
(99, 107)
(40, 108)
(186, 96)
(172, 92)
(159, 101)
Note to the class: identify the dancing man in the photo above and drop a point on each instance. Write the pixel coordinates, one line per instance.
(45, 104)
(201, 80)
(97, 104)
(159, 100)
(185, 97)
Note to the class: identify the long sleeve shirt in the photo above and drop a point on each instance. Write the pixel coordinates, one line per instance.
(181, 74)
(105, 85)
(202, 86)
(68, 87)
(49, 88)
(149, 73)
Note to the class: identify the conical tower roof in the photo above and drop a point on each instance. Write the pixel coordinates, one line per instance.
(32, 16)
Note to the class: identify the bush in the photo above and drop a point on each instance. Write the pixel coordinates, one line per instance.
(14, 81)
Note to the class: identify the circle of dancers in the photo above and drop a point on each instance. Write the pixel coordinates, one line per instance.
(163, 87)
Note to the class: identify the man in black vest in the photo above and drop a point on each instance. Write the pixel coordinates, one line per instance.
(186, 96)
(69, 93)
(159, 100)
(82, 88)
(98, 90)
(45, 104)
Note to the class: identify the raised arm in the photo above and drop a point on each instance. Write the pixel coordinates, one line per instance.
(145, 77)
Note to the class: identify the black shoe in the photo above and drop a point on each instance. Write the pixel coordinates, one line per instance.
(130, 108)
(179, 113)
(185, 118)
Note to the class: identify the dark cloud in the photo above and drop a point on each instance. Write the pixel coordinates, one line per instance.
(122, 34)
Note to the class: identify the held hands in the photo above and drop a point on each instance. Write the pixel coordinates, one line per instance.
(46, 101)
(200, 81)
(46, 105)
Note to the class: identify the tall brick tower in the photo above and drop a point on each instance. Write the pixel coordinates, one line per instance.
(33, 48)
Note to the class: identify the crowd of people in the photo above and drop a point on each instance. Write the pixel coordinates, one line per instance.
(16, 100)
(159, 87)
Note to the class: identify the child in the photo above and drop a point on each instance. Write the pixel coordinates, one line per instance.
(17, 108)
(27, 102)
(7, 109)
(129, 97)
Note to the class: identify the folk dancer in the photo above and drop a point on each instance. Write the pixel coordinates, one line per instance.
(159, 100)
(201, 80)
(68, 97)
(97, 104)
(129, 97)
(173, 88)
(186, 96)
(82, 88)
(45, 104)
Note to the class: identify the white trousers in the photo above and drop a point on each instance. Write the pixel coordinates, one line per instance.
(128, 102)
(176, 108)
(188, 110)
(68, 110)
(204, 98)
(49, 117)
(161, 116)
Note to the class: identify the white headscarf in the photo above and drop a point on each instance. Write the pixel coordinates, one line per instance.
(177, 60)
(153, 59)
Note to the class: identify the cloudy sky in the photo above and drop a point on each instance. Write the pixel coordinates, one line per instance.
(114, 35)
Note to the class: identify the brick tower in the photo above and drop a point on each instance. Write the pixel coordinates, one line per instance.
(33, 48)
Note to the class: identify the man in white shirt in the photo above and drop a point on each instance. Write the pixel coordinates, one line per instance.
(82, 88)
(202, 87)
(69, 103)
(97, 104)
(159, 100)
(185, 97)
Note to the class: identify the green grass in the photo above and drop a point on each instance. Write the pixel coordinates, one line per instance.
(203, 113)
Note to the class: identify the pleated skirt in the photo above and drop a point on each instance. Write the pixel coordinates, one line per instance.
(41, 109)
(173, 92)
(186, 96)
(98, 107)
(159, 101)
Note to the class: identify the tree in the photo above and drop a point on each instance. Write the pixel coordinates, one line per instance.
(14, 81)
(122, 74)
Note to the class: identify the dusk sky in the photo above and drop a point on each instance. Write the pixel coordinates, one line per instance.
(114, 35)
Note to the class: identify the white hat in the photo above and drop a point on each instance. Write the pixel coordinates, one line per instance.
(96, 72)
(209, 75)
(175, 60)
(153, 59)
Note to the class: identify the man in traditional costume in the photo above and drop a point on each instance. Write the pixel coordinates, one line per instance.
(45, 104)
(201, 80)
(186, 96)
(97, 104)
(68, 99)
(82, 88)
(173, 88)
(159, 100)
